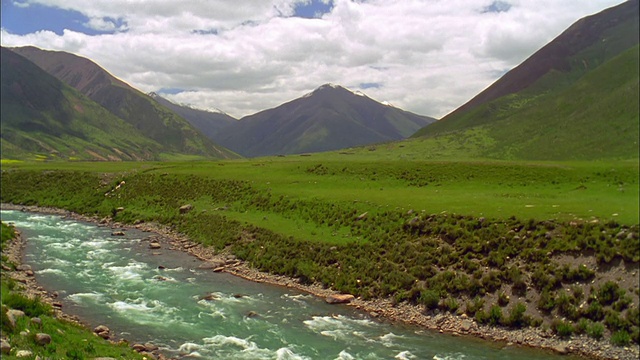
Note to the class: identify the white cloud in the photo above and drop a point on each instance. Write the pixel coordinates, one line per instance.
(429, 56)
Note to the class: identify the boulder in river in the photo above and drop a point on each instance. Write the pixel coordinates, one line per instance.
(339, 298)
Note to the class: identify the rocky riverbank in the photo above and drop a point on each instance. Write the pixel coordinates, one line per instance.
(162, 237)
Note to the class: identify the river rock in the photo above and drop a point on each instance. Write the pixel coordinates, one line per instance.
(185, 208)
(36, 321)
(339, 298)
(154, 245)
(13, 315)
(5, 347)
(102, 331)
(43, 339)
(24, 353)
(211, 264)
(466, 325)
(117, 233)
(138, 347)
(150, 347)
(210, 297)
(560, 348)
(23, 267)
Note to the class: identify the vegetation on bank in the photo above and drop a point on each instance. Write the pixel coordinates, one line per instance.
(508, 270)
(68, 340)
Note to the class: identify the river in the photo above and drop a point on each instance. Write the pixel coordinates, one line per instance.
(189, 312)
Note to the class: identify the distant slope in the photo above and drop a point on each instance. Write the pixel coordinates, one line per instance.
(329, 118)
(576, 98)
(149, 117)
(208, 122)
(43, 118)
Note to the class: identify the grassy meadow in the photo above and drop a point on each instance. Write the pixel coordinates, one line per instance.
(451, 235)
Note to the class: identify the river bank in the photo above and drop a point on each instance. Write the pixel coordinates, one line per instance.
(162, 238)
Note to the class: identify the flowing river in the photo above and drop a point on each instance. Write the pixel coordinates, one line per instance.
(119, 282)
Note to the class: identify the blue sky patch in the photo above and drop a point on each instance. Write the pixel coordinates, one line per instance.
(313, 9)
(170, 91)
(371, 85)
(497, 7)
(22, 20)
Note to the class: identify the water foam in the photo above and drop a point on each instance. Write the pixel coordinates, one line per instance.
(405, 355)
(287, 354)
(344, 356)
(51, 271)
(388, 339)
(449, 357)
(80, 298)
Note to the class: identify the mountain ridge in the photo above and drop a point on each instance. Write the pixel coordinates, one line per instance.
(330, 117)
(209, 122)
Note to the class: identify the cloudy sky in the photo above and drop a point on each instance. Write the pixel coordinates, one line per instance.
(243, 56)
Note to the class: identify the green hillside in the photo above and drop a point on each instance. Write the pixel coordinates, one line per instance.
(582, 102)
(42, 118)
(150, 118)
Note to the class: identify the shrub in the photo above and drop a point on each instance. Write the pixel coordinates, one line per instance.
(614, 321)
(595, 330)
(450, 304)
(562, 328)
(430, 299)
(633, 316)
(517, 318)
(503, 299)
(481, 317)
(594, 312)
(474, 306)
(581, 326)
(546, 301)
(622, 303)
(620, 338)
(609, 292)
(495, 315)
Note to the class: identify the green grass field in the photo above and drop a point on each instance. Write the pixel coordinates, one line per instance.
(539, 190)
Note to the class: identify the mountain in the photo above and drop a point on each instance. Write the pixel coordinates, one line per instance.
(575, 98)
(208, 122)
(43, 118)
(329, 118)
(146, 115)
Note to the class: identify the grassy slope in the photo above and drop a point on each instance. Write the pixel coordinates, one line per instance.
(43, 117)
(594, 118)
